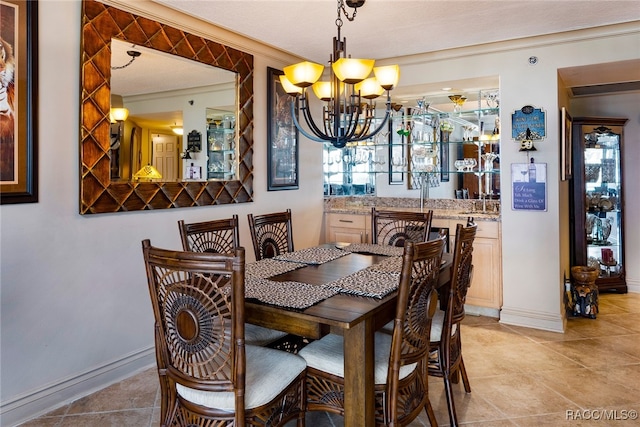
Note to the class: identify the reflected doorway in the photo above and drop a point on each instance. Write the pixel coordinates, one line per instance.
(165, 155)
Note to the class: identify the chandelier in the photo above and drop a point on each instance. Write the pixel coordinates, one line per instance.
(349, 110)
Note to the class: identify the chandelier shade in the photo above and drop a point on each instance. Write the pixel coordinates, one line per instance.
(387, 76)
(303, 74)
(349, 113)
(352, 70)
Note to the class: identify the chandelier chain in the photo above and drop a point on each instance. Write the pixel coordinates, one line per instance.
(346, 14)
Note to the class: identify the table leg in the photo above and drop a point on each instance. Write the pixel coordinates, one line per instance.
(358, 375)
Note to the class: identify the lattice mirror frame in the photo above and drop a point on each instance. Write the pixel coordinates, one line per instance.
(98, 194)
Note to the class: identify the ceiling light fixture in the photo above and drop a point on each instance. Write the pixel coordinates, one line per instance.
(133, 54)
(346, 117)
(178, 130)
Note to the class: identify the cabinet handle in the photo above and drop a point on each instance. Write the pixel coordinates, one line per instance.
(346, 220)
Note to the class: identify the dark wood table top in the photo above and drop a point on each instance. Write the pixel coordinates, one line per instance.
(338, 312)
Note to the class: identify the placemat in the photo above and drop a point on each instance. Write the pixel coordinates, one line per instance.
(371, 248)
(286, 294)
(391, 265)
(368, 283)
(269, 267)
(312, 255)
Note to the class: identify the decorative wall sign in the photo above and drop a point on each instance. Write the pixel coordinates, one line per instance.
(529, 186)
(18, 102)
(194, 141)
(527, 126)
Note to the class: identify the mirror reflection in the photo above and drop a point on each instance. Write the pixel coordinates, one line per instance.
(181, 117)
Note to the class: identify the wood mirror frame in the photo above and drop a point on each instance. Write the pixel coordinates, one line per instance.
(101, 23)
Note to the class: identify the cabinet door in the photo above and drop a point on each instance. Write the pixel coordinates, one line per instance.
(486, 284)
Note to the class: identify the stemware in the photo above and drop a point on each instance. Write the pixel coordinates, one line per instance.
(458, 101)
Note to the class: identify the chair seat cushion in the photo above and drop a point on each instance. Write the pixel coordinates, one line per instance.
(437, 324)
(257, 335)
(269, 372)
(326, 354)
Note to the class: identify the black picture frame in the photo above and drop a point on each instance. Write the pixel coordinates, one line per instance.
(444, 156)
(282, 137)
(566, 171)
(18, 130)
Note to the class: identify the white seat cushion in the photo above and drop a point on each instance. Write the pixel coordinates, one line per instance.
(437, 324)
(269, 372)
(257, 335)
(326, 354)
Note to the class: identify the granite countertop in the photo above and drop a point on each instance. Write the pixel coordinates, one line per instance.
(442, 208)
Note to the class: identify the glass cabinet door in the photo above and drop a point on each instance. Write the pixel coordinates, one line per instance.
(599, 201)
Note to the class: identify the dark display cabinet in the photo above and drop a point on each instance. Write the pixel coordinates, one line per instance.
(597, 199)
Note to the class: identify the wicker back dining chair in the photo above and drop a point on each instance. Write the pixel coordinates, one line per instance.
(401, 386)
(222, 236)
(446, 348)
(393, 228)
(218, 236)
(272, 234)
(208, 376)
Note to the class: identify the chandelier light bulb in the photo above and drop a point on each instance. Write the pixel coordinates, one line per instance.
(369, 88)
(289, 87)
(388, 76)
(351, 70)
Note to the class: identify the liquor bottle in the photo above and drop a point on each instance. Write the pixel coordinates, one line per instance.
(532, 171)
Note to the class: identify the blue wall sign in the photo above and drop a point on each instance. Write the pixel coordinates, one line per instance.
(529, 186)
(528, 123)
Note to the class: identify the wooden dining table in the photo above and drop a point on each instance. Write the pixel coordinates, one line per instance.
(356, 318)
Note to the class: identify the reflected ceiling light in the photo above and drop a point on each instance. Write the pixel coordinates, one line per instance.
(133, 54)
(349, 109)
(177, 130)
(118, 114)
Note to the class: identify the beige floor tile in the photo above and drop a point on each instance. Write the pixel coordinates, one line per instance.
(591, 353)
(538, 335)
(626, 375)
(599, 327)
(519, 395)
(587, 388)
(139, 391)
(486, 335)
(628, 321)
(135, 417)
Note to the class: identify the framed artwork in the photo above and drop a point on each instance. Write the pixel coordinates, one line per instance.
(444, 156)
(18, 98)
(397, 156)
(282, 136)
(566, 123)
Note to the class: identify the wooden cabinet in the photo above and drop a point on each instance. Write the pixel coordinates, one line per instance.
(486, 283)
(348, 228)
(597, 199)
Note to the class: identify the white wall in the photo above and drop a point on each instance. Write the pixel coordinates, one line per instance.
(75, 313)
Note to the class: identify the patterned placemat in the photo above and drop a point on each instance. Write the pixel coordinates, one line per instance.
(312, 255)
(286, 294)
(368, 283)
(269, 267)
(391, 265)
(370, 248)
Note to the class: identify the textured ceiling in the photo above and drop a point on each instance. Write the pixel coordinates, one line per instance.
(390, 28)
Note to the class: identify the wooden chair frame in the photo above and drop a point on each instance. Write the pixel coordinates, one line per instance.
(217, 236)
(271, 234)
(446, 354)
(198, 305)
(400, 400)
(393, 228)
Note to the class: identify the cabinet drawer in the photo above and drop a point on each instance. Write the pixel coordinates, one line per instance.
(348, 221)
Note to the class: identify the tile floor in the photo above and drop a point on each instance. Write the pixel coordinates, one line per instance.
(519, 377)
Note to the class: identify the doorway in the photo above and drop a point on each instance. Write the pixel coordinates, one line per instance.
(165, 155)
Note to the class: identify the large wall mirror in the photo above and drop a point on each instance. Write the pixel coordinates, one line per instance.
(202, 87)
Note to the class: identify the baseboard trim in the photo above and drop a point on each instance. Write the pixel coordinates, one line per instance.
(533, 319)
(34, 404)
(475, 310)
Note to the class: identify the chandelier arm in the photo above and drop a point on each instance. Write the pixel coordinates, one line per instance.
(300, 128)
